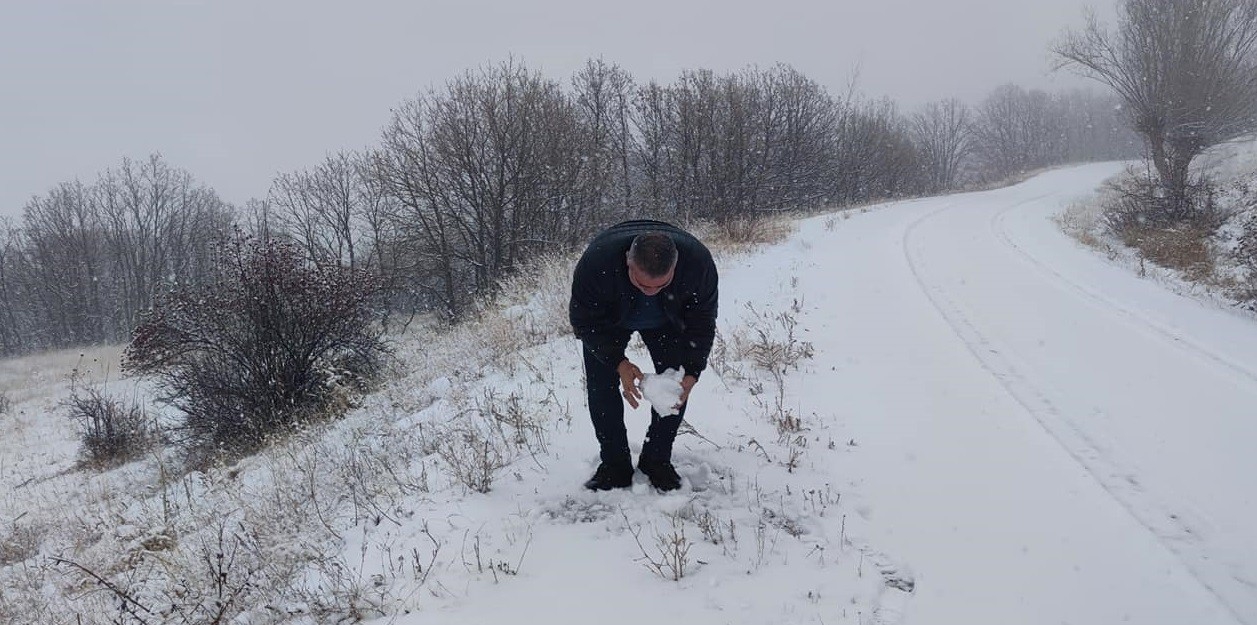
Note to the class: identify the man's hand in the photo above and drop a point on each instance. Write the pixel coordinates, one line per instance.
(630, 378)
(687, 384)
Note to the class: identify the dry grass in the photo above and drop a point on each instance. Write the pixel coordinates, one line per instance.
(1186, 248)
(1125, 212)
(33, 376)
(1082, 221)
(742, 234)
(20, 543)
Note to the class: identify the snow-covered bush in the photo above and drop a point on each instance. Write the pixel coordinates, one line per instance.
(270, 343)
(1137, 202)
(6, 404)
(1246, 258)
(111, 431)
(1136, 212)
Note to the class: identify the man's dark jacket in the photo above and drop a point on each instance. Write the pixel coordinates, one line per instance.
(602, 295)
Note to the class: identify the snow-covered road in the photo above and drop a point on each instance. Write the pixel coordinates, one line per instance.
(1043, 437)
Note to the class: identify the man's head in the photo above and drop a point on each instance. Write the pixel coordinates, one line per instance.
(652, 259)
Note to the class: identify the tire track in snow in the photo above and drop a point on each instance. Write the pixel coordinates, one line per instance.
(1100, 302)
(1089, 454)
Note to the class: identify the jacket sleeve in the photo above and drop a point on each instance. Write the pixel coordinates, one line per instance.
(700, 320)
(591, 311)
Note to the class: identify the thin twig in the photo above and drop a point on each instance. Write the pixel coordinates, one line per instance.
(121, 594)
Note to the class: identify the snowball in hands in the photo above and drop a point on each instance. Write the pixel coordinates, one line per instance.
(663, 390)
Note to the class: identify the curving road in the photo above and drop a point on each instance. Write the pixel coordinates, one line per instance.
(1043, 436)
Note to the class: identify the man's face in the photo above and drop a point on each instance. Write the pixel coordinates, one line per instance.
(645, 283)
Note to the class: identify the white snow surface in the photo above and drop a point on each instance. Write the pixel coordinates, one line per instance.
(997, 426)
(1007, 428)
(663, 390)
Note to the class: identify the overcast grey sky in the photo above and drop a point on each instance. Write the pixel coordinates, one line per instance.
(237, 91)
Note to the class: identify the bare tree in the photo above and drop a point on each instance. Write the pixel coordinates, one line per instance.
(654, 120)
(1095, 128)
(876, 158)
(10, 305)
(603, 94)
(800, 123)
(941, 132)
(486, 174)
(320, 208)
(1009, 134)
(1187, 73)
(158, 224)
(734, 145)
(67, 251)
(406, 170)
(89, 259)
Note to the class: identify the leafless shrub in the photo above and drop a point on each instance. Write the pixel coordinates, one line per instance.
(774, 345)
(24, 593)
(723, 358)
(711, 527)
(672, 548)
(513, 423)
(1134, 212)
(473, 459)
(718, 531)
(347, 592)
(786, 523)
(374, 471)
(765, 541)
(6, 404)
(20, 543)
(111, 431)
(1137, 201)
(230, 565)
(492, 565)
(794, 453)
(774, 407)
(272, 344)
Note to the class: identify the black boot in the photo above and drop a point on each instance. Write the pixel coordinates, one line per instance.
(609, 476)
(661, 473)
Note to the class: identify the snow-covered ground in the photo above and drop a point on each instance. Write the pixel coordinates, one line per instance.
(934, 411)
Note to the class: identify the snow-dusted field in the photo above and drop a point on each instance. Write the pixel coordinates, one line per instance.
(935, 411)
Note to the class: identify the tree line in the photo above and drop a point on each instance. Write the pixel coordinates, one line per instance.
(470, 181)
(88, 258)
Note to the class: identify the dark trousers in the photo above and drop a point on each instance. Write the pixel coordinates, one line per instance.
(606, 404)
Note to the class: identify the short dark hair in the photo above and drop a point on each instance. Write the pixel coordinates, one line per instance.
(653, 252)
